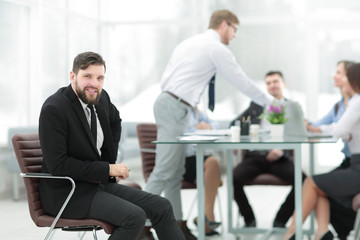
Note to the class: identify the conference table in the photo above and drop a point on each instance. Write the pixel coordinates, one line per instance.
(261, 142)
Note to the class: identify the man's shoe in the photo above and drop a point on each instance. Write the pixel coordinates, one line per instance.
(278, 224)
(251, 223)
(186, 231)
(146, 234)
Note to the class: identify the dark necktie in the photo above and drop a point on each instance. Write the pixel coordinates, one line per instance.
(93, 122)
(212, 93)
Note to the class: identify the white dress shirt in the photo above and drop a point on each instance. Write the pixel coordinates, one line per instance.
(348, 127)
(100, 134)
(196, 60)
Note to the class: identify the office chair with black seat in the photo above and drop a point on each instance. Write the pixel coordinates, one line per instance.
(29, 156)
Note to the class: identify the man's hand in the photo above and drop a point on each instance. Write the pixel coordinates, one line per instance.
(203, 125)
(119, 170)
(274, 155)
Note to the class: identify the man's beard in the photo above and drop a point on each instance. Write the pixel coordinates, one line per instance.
(82, 95)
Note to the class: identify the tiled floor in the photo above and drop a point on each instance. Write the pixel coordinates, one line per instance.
(16, 223)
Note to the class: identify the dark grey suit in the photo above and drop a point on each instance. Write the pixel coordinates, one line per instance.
(69, 149)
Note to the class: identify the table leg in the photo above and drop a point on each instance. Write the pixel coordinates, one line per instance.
(312, 170)
(298, 192)
(229, 176)
(200, 190)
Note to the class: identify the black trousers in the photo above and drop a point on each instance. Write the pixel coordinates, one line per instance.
(128, 208)
(254, 164)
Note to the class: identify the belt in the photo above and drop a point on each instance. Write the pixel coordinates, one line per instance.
(177, 98)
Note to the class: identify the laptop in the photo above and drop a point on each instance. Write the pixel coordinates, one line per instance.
(295, 126)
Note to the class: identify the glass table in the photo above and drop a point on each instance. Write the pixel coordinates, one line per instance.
(262, 141)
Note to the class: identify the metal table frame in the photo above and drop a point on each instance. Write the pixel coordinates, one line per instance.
(250, 143)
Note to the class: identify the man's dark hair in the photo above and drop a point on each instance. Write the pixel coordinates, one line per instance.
(84, 60)
(275, 72)
(353, 75)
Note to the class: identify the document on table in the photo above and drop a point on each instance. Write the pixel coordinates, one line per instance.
(209, 132)
(198, 138)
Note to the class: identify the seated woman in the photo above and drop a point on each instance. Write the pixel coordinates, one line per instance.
(326, 123)
(342, 184)
(342, 219)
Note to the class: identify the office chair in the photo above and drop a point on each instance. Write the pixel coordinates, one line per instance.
(147, 133)
(29, 156)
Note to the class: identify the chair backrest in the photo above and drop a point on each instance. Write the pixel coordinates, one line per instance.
(29, 156)
(146, 133)
(11, 162)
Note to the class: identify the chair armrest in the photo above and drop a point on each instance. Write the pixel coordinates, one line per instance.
(45, 175)
(49, 176)
(148, 150)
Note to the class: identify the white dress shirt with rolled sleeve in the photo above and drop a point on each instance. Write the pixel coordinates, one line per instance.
(348, 127)
(196, 60)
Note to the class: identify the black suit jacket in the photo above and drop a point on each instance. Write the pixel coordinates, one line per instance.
(69, 149)
(254, 111)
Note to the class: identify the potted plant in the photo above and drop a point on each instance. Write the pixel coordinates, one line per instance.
(275, 114)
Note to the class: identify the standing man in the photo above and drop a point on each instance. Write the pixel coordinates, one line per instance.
(79, 130)
(191, 68)
(275, 161)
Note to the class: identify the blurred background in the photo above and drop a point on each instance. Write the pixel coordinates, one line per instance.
(39, 39)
